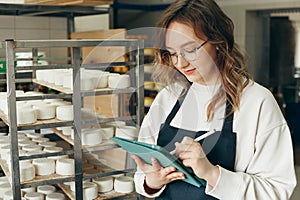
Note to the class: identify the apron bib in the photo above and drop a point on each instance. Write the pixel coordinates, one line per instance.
(219, 147)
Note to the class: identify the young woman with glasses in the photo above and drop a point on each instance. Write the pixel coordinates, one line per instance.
(250, 155)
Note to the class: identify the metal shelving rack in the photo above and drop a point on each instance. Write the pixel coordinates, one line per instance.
(135, 47)
(69, 12)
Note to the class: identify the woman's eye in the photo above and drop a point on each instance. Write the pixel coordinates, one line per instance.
(190, 50)
(172, 54)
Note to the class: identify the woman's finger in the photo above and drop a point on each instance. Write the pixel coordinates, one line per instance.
(175, 176)
(182, 147)
(156, 164)
(139, 161)
(167, 170)
(187, 140)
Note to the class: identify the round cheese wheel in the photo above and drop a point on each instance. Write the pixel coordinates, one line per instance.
(64, 113)
(28, 190)
(34, 196)
(68, 130)
(102, 80)
(55, 196)
(47, 144)
(45, 111)
(128, 132)
(105, 184)
(8, 195)
(4, 187)
(124, 184)
(34, 135)
(26, 115)
(90, 190)
(27, 171)
(40, 140)
(4, 179)
(118, 81)
(54, 149)
(107, 132)
(32, 148)
(44, 166)
(91, 137)
(46, 189)
(65, 166)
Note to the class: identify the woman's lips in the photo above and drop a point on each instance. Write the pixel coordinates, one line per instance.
(189, 72)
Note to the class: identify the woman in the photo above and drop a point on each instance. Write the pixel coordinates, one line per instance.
(250, 155)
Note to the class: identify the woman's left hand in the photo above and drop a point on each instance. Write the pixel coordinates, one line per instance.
(192, 155)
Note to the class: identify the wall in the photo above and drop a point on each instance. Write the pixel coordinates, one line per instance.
(250, 31)
(34, 28)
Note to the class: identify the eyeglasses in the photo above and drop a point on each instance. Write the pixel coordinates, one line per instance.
(188, 55)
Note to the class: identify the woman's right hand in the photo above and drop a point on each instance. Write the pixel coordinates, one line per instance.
(156, 175)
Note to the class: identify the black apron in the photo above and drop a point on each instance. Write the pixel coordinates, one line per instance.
(219, 147)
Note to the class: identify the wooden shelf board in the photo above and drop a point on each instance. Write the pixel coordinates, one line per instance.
(39, 122)
(36, 179)
(53, 86)
(69, 91)
(107, 195)
(71, 141)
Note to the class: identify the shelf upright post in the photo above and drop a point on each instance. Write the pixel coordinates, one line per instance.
(70, 24)
(138, 74)
(12, 118)
(140, 81)
(111, 17)
(76, 99)
(34, 60)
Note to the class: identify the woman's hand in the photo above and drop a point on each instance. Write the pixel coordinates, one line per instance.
(192, 155)
(156, 175)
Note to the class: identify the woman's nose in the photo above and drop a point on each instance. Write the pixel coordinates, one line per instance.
(182, 62)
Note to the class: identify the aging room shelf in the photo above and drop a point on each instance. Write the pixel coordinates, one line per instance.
(40, 124)
(78, 151)
(54, 178)
(86, 93)
(106, 144)
(107, 195)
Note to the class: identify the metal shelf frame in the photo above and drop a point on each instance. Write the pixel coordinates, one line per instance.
(69, 12)
(135, 47)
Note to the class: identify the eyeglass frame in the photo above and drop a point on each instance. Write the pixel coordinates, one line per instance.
(182, 53)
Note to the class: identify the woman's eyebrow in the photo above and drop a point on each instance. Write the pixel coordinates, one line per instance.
(182, 45)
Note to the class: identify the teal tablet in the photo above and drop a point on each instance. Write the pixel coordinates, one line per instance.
(148, 151)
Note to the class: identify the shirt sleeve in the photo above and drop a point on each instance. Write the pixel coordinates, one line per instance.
(270, 175)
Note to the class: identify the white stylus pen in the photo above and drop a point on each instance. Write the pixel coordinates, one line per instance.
(201, 137)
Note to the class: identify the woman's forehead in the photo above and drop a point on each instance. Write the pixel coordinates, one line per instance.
(179, 35)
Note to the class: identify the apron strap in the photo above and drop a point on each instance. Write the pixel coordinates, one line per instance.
(177, 104)
(227, 125)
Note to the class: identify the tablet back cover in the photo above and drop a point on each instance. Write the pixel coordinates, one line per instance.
(147, 151)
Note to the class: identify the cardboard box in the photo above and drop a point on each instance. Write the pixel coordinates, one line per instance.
(104, 104)
(101, 53)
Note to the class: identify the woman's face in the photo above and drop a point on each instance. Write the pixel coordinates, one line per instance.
(195, 62)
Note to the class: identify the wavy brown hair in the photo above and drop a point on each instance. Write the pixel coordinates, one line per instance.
(207, 18)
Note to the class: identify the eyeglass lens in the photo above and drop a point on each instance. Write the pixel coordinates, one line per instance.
(187, 55)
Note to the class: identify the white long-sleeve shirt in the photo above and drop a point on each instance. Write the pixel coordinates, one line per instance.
(264, 165)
